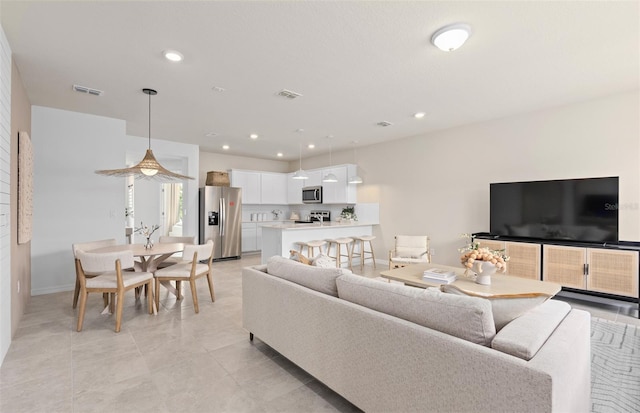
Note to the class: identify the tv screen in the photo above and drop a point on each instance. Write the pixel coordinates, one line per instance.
(568, 209)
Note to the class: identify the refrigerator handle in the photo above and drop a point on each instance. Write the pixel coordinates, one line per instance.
(223, 211)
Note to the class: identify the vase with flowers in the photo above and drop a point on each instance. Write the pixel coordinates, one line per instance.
(483, 261)
(146, 232)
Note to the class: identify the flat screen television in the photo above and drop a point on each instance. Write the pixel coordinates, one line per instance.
(568, 209)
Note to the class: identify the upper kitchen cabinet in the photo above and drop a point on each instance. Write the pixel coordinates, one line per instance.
(315, 178)
(274, 188)
(294, 189)
(340, 192)
(251, 184)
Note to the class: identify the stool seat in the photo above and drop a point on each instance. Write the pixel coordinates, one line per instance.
(347, 242)
(311, 246)
(362, 253)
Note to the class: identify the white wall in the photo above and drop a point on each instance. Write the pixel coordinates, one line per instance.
(5, 195)
(72, 203)
(438, 184)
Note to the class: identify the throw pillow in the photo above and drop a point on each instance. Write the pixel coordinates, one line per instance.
(296, 256)
(324, 261)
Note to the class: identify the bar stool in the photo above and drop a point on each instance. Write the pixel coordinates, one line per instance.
(339, 242)
(311, 246)
(360, 240)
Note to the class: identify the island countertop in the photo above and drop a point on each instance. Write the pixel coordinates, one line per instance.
(316, 225)
(280, 238)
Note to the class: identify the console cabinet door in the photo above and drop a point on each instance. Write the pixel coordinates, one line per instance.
(565, 266)
(613, 272)
(524, 259)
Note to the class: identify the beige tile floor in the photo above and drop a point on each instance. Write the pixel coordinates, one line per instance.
(174, 361)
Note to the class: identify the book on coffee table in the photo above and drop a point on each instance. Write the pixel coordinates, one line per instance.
(438, 276)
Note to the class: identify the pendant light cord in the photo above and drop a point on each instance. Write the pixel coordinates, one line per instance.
(149, 120)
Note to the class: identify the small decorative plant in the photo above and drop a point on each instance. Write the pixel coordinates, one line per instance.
(348, 212)
(473, 254)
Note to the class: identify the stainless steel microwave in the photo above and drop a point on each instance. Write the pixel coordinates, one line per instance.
(312, 195)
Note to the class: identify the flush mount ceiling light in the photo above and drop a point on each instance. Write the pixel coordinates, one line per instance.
(148, 168)
(173, 55)
(451, 37)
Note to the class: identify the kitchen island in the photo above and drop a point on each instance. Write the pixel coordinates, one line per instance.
(279, 239)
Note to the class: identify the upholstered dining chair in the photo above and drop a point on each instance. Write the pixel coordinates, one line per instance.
(189, 270)
(409, 249)
(88, 246)
(112, 280)
(177, 257)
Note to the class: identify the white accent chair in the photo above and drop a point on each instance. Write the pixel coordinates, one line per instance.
(88, 246)
(409, 249)
(190, 269)
(111, 280)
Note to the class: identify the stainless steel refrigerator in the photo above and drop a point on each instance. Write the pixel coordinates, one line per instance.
(221, 220)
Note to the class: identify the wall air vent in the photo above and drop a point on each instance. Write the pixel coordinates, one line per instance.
(384, 123)
(288, 94)
(84, 89)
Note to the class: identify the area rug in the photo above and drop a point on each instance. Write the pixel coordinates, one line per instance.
(615, 366)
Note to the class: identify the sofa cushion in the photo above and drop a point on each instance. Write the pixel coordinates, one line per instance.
(316, 278)
(506, 308)
(525, 335)
(468, 318)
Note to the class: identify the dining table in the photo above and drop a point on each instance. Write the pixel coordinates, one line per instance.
(150, 258)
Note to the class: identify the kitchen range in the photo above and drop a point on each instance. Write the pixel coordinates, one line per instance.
(315, 216)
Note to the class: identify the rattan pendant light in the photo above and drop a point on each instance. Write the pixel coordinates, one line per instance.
(148, 168)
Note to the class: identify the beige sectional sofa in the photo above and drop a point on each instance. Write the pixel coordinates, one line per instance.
(392, 348)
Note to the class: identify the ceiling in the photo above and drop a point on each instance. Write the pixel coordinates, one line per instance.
(355, 63)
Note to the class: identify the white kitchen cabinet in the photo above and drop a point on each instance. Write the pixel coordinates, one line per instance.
(274, 188)
(249, 237)
(294, 190)
(315, 178)
(250, 183)
(340, 192)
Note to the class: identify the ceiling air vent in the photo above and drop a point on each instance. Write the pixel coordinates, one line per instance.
(288, 94)
(384, 123)
(84, 89)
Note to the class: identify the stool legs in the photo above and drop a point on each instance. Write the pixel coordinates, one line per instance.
(362, 252)
(339, 254)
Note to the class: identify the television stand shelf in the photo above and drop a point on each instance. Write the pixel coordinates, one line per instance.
(609, 270)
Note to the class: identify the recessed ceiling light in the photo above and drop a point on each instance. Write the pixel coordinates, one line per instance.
(311, 146)
(451, 37)
(173, 55)
(279, 154)
(419, 115)
(225, 147)
(253, 136)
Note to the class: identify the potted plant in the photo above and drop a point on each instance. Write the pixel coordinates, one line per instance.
(348, 214)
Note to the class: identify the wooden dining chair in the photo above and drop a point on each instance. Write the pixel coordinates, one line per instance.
(177, 257)
(88, 246)
(189, 270)
(112, 279)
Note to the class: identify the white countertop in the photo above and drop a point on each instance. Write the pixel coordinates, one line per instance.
(317, 225)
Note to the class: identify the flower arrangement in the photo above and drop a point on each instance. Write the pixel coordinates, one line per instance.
(473, 254)
(146, 231)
